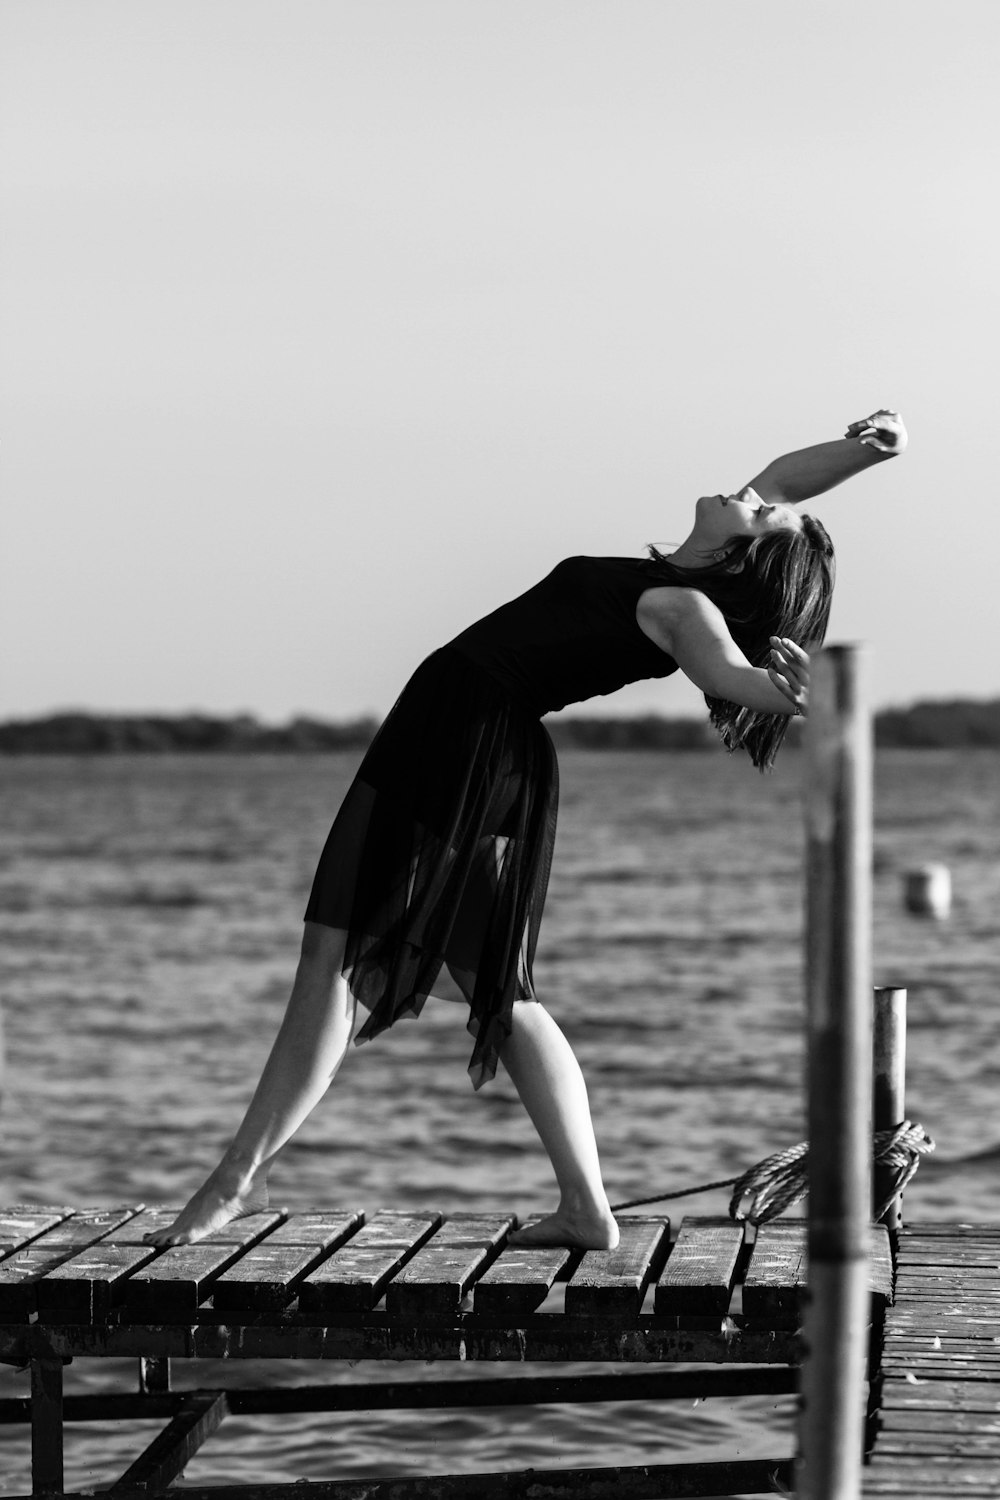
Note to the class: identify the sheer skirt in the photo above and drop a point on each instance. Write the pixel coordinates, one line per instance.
(441, 851)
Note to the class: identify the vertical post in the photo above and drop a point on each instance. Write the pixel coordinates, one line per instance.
(154, 1374)
(839, 1001)
(889, 1095)
(46, 1426)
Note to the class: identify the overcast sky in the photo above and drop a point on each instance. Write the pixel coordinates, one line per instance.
(329, 326)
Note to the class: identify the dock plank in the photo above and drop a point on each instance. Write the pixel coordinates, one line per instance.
(520, 1279)
(613, 1282)
(22, 1271)
(939, 1403)
(433, 1283)
(22, 1223)
(699, 1275)
(267, 1275)
(941, 1395)
(84, 1288)
(777, 1273)
(180, 1278)
(352, 1280)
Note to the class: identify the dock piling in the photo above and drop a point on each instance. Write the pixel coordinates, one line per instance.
(889, 1091)
(839, 1005)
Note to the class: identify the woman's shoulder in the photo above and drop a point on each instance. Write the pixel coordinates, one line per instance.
(666, 609)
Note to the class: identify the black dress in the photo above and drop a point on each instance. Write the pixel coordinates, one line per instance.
(441, 851)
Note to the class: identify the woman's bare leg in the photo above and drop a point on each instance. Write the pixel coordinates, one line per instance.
(548, 1079)
(307, 1052)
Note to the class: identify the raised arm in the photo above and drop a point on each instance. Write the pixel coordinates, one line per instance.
(811, 471)
(690, 628)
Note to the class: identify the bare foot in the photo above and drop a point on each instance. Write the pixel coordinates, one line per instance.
(225, 1195)
(575, 1230)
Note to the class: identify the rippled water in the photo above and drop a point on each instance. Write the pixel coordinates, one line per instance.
(150, 913)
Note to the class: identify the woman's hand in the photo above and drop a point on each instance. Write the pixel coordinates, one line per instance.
(883, 430)
(788, 669)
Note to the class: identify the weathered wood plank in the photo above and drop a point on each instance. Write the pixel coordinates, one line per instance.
(958, 1419)
(327, 1227)
(267, 1276)
(21, 1271)
(83, 1288)
(699, 1274)
(82, 1228)
(939, 1444)
(943, 1395)
(948, 1230)
(931, 1478)
(520, 1279)
(777, 1273)
(433, 1283)
(971, 1320)
(172, 1286)
(22, 1223)
(613, 1282)
(351, 1281)
(880, 1264)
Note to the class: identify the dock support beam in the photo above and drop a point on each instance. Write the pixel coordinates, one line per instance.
(46, 1426)
(839, 1001)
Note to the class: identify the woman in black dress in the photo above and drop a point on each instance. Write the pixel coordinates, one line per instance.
(437, 863)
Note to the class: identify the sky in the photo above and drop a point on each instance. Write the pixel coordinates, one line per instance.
(328, 325)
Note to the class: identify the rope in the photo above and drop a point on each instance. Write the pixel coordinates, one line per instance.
(779, 1181)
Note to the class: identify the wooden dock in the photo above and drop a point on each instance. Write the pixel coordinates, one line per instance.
(393, 1286)
(937, 1427)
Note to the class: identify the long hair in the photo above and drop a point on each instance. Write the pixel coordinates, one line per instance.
(779, 583)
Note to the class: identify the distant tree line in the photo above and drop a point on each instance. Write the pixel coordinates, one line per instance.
(127, 734)
(938, 725)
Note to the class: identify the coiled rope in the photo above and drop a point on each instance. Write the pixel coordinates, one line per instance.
(780, 1181)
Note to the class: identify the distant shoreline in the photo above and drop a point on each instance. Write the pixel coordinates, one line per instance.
(937, 725)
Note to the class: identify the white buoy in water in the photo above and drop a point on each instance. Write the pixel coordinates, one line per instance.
(928, 891)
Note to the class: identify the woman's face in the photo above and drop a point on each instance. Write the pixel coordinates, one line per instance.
(720, 519)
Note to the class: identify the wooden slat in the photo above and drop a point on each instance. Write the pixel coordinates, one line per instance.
(173, 1285)
(941, 1395)
(22, 1223)
(938, 1420)
(83, 1289)
(776, 1275)
(352, 1279)
(614, 1282)
(83, 1228)
(433, 1283)
(778, 1272)
(520, 1279)
(699, 1275)
(880, 1263)
(21, 1271)
(266, 1277)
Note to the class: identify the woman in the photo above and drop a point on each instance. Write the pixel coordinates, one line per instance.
(438, 860)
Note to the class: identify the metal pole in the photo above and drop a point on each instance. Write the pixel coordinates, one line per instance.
(839, 999)
(889, 1096)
